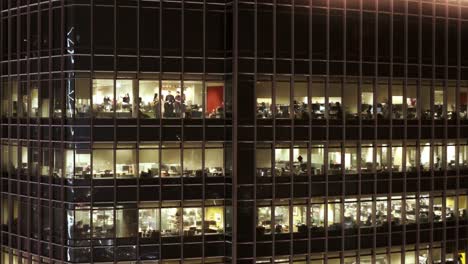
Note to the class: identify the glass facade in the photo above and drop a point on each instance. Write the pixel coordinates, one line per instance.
(292, 131)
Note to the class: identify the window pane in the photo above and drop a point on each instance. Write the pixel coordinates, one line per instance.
(149, 101)
(103, 98)
(264, 100)
(103, 223)
(214, 220)
(283, 98)
(191, 100)
(149, 163)
(192, 221)
(214, 100)
(170, 221)
(148, 223)
(170, 90)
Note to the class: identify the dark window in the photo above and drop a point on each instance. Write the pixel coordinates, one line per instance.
(319, 34)
(104, 29)
(79, 18)
(283, 32)
(193, 30)
(149, 31)
(171, 34)
(215, 34)
(368, 36)
(384, 37)
(301, 33)
(265, 31)
(336, 35)
(453, 42)
(126, 30)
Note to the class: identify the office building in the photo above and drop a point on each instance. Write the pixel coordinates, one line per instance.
(268, 131)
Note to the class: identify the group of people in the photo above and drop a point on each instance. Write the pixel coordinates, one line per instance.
(173, 105)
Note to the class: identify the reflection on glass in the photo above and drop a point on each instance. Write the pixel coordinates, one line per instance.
(103, 163)
(215, 107)
(149, 161)
(282, 163)
(170, 162)
(79, 223)
(125, 163)
(148, 223)
(263, 160)
(367, 100)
